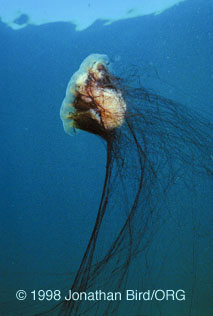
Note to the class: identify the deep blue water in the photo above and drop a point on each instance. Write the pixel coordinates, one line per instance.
(51, 183)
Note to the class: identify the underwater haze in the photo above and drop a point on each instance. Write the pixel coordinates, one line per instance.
(51, 183)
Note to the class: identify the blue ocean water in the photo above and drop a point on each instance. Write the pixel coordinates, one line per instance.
(51, 183)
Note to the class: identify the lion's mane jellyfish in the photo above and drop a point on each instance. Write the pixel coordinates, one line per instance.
(157, 153)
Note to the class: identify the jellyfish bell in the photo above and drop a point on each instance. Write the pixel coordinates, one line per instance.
(93, 102)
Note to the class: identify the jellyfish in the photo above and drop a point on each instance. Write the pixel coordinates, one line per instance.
(155, 148)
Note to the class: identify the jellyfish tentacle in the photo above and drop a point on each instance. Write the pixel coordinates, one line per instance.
(150, 145)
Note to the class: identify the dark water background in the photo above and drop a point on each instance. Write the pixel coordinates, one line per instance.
(51, 183)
